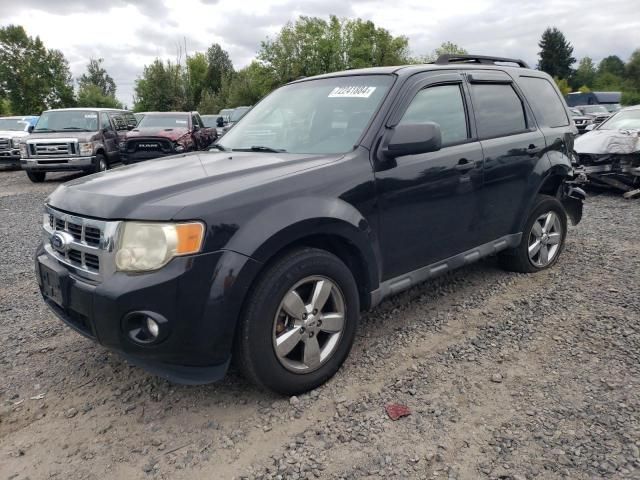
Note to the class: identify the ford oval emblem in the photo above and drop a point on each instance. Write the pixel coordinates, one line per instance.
(60, 241)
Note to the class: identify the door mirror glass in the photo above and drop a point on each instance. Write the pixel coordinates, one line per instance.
(220, 122)
(413, 139)
(30, 128)
(590, 127)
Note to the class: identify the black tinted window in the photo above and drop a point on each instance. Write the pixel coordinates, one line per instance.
(104, 121)
(443, 105)
(499, 110)
(547, 105)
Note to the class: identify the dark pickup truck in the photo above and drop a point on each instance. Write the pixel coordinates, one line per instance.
(160, 134)
(331, 194)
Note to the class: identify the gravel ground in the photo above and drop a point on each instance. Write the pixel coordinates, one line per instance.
(507, 376)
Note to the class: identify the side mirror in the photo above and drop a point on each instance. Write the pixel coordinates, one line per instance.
(413, 139)
(196, 127)
(30, 128)
(590, 127)
(130, 127)
(220, 122)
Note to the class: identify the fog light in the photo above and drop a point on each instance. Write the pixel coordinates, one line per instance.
(153, 327)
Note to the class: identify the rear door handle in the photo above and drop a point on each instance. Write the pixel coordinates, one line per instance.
(464, 165)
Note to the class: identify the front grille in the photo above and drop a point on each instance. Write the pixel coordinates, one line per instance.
(85, 251)
(5, 144)
(157, 145)
(52, 149)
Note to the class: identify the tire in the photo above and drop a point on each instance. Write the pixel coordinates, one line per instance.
(265, 323)
(36, 177)
(546, 225)
(100, 164)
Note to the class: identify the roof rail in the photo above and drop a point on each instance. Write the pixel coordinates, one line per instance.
(452, 58)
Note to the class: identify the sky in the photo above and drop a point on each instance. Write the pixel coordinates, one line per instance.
(131, 34)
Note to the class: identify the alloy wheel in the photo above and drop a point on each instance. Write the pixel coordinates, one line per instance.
(544, 239)
(309, 324)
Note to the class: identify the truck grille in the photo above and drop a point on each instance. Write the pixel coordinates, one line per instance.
(5, 144)
(92, 242)
(52, 149)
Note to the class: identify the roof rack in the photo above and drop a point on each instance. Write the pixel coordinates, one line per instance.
(487, 60)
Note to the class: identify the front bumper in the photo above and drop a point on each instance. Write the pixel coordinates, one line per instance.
(199, 296)
(10, 158)
(57, 164)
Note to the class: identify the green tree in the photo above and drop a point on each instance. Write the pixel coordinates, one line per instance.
(555, 54)
(585, 74)
(607, 82)
(197, 69)
(91, 95)
(97, 76)
(632, 70)
(563, 85)
(32, 77)
(219, 66)
(161, 87)
(250, 84)
(584, 89)
(445, 48)
(611, 64)
(5, 107)
(312, 46)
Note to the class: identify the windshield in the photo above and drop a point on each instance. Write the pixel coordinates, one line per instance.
(594, 109)
(625, 120)
(168, 120)
(209, 120)
(238, 113)
(325, 116)
(13, 124)
(612, 107)
(67, 120)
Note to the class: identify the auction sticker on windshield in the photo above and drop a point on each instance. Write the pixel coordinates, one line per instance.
(356, 91)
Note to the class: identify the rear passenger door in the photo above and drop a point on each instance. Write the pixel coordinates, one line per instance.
(428, 202)
(513, 148)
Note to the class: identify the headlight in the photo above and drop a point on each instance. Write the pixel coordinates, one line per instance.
(149, 246)
(86, 149)
(23, 150)
(123, 145)
(15, 142)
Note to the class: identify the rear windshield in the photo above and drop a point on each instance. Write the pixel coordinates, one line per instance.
(169, 120)
(68, 120)
(209, 120)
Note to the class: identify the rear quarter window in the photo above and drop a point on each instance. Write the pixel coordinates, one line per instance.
(498, 110)
(545, 102)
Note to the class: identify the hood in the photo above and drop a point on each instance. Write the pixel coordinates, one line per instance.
(599, 142)
(169, 133)
(81, 136)
(159, 189)
(13, 134)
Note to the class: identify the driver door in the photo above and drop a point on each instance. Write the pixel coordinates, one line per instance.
(429, 203)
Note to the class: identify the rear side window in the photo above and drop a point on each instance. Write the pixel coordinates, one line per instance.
(442, 104)
(498, 109)
(544, 100)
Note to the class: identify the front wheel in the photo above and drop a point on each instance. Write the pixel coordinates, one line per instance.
(299, 322)
(100, 164)
(542, 239)
(36, 177)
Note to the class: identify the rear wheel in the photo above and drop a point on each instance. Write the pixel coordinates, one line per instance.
(100, 164)
(299, 322)
(36, 177)
(542, 239)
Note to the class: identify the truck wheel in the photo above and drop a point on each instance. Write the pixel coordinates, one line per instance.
(542, 239)
(100, 164)
(36, 177)
(299, 322)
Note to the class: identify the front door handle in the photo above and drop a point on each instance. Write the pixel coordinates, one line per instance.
(464, 165)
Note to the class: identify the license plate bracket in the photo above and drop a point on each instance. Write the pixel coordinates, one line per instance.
(53, 282)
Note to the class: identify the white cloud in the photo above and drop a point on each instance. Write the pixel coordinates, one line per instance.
(130, 34)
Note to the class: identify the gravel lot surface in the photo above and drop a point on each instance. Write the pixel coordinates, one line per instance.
(507, 376)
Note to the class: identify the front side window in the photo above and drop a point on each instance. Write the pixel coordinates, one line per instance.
(547, 105)
(498, 110)
(104, 121)
(324, 116)
(444, 105)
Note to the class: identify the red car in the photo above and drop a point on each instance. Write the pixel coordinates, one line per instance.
(160, 134)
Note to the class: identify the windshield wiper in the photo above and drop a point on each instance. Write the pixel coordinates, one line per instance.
(43, 130)
(260, 148)
(217, 146)
(76, 128)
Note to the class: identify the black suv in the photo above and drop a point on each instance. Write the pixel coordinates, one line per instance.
(331, 194)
